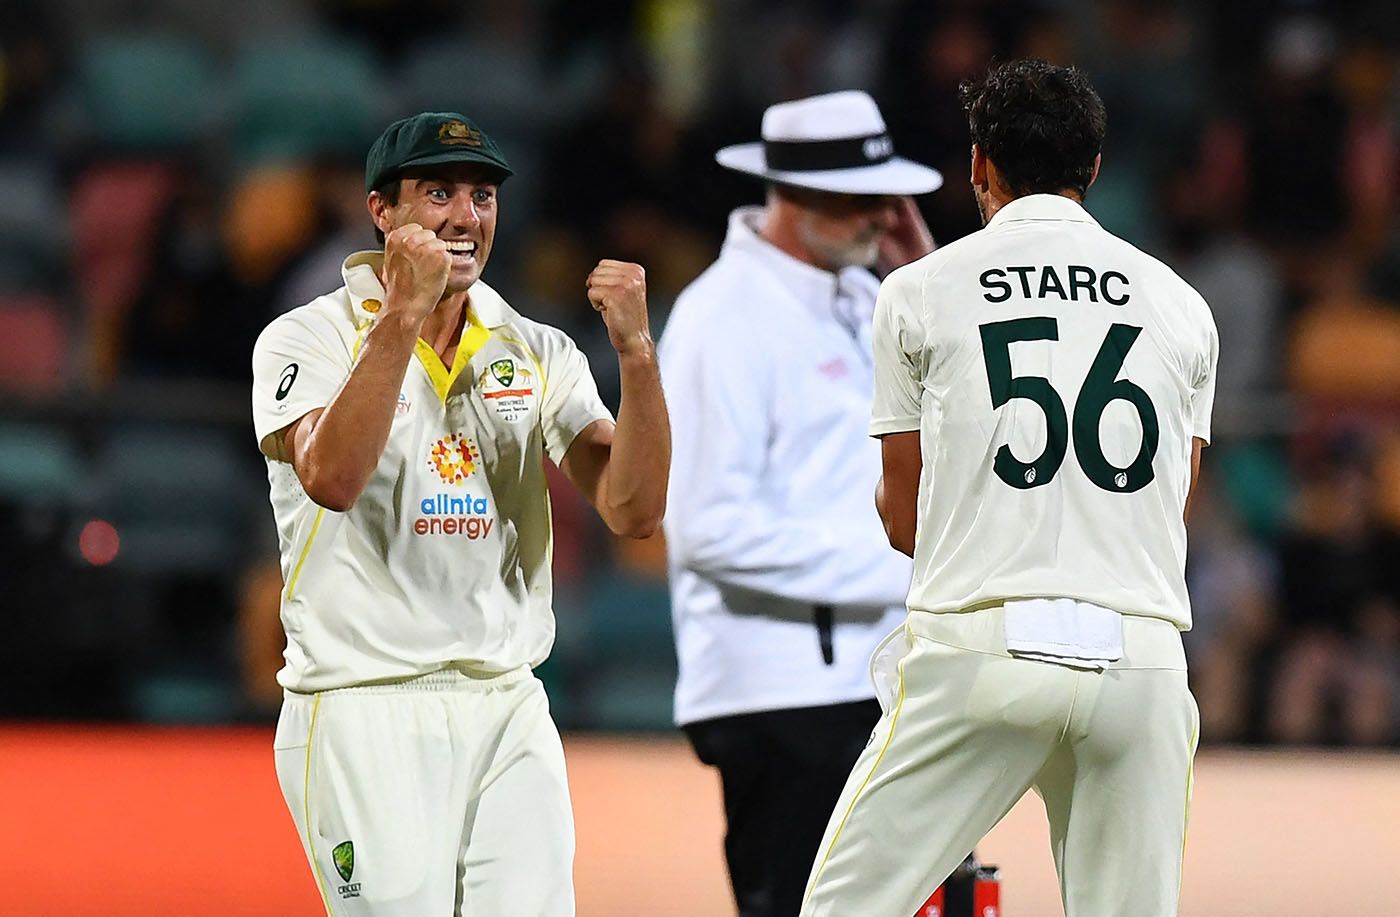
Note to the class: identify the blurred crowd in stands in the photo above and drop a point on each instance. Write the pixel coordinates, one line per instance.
(175, 173)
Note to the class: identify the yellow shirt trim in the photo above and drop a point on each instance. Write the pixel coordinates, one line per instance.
(301, 561)
(474, 337)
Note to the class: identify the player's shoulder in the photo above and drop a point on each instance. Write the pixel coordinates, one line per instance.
(325, 319)
(930, 267)
(500, 317)
(908, 284)
(1162, 278)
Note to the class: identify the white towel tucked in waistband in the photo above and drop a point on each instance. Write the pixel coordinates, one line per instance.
(1064, 631)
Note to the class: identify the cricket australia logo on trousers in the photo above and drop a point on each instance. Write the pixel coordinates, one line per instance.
(343, 855)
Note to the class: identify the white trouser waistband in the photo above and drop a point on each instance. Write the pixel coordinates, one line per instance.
(447, 679)
(1148, 643)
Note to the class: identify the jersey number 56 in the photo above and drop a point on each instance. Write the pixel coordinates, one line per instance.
(1100, 387)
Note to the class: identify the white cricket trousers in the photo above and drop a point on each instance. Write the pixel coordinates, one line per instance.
(441, 795)
(968, 729)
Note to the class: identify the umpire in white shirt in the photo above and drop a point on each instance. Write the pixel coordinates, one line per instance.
(782, 579)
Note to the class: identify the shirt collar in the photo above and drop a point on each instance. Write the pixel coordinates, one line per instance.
(361, 274)
(812, 284)
(1042, 207)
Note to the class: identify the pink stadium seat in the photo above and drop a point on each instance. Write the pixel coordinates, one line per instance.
(115, 213)
(33, 345)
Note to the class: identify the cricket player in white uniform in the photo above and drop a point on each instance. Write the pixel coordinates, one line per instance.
(1042, 393)
(405, 419)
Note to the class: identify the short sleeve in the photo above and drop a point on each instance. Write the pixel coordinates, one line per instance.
(295, 370)
(896, 338)
(571, 400)
(1203, 386)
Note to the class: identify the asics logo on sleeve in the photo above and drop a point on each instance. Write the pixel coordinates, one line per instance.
(284, 384)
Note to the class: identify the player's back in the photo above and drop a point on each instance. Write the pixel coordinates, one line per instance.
(1060, 376)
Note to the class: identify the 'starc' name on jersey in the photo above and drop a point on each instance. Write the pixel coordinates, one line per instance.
(1042, 282)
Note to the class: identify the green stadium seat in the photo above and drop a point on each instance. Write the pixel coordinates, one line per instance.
(39, 464)
(170, 698)
(632, 696)
(302, 98)
(631, 682)
(629, 615)
(146, 92)
(1257, 482)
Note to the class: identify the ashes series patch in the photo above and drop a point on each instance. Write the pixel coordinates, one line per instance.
(509, 389)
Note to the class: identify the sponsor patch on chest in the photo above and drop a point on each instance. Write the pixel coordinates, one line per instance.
(457, 511)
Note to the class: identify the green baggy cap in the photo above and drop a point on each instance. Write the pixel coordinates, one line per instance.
(427, 139)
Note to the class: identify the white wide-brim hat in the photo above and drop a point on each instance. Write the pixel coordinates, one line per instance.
(834, 142)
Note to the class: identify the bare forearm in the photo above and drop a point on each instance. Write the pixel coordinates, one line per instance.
(343, 447)
(900, 531)
(634, 485)
(897, 494)
(1196, 445)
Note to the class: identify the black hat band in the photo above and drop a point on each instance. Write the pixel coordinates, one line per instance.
(824, 155)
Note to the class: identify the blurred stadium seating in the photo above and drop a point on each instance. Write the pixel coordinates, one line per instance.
(175, 177)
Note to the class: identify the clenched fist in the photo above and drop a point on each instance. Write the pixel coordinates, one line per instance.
(416, 265)
(618, 290)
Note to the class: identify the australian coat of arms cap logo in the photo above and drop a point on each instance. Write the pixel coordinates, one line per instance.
(458, 133)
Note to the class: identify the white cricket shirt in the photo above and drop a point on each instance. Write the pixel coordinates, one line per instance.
(767, 370)
(1056, 376)
(444, 560)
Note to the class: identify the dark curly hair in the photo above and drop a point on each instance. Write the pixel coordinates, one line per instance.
(1040, 124)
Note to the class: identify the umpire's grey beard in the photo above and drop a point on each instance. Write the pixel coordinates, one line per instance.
(837, 256)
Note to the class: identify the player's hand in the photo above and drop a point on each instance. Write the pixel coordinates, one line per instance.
(618, 290)
(908, 240)
(416, 265)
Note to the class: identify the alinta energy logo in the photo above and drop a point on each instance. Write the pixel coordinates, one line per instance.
(466, 515)
(455, 457)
